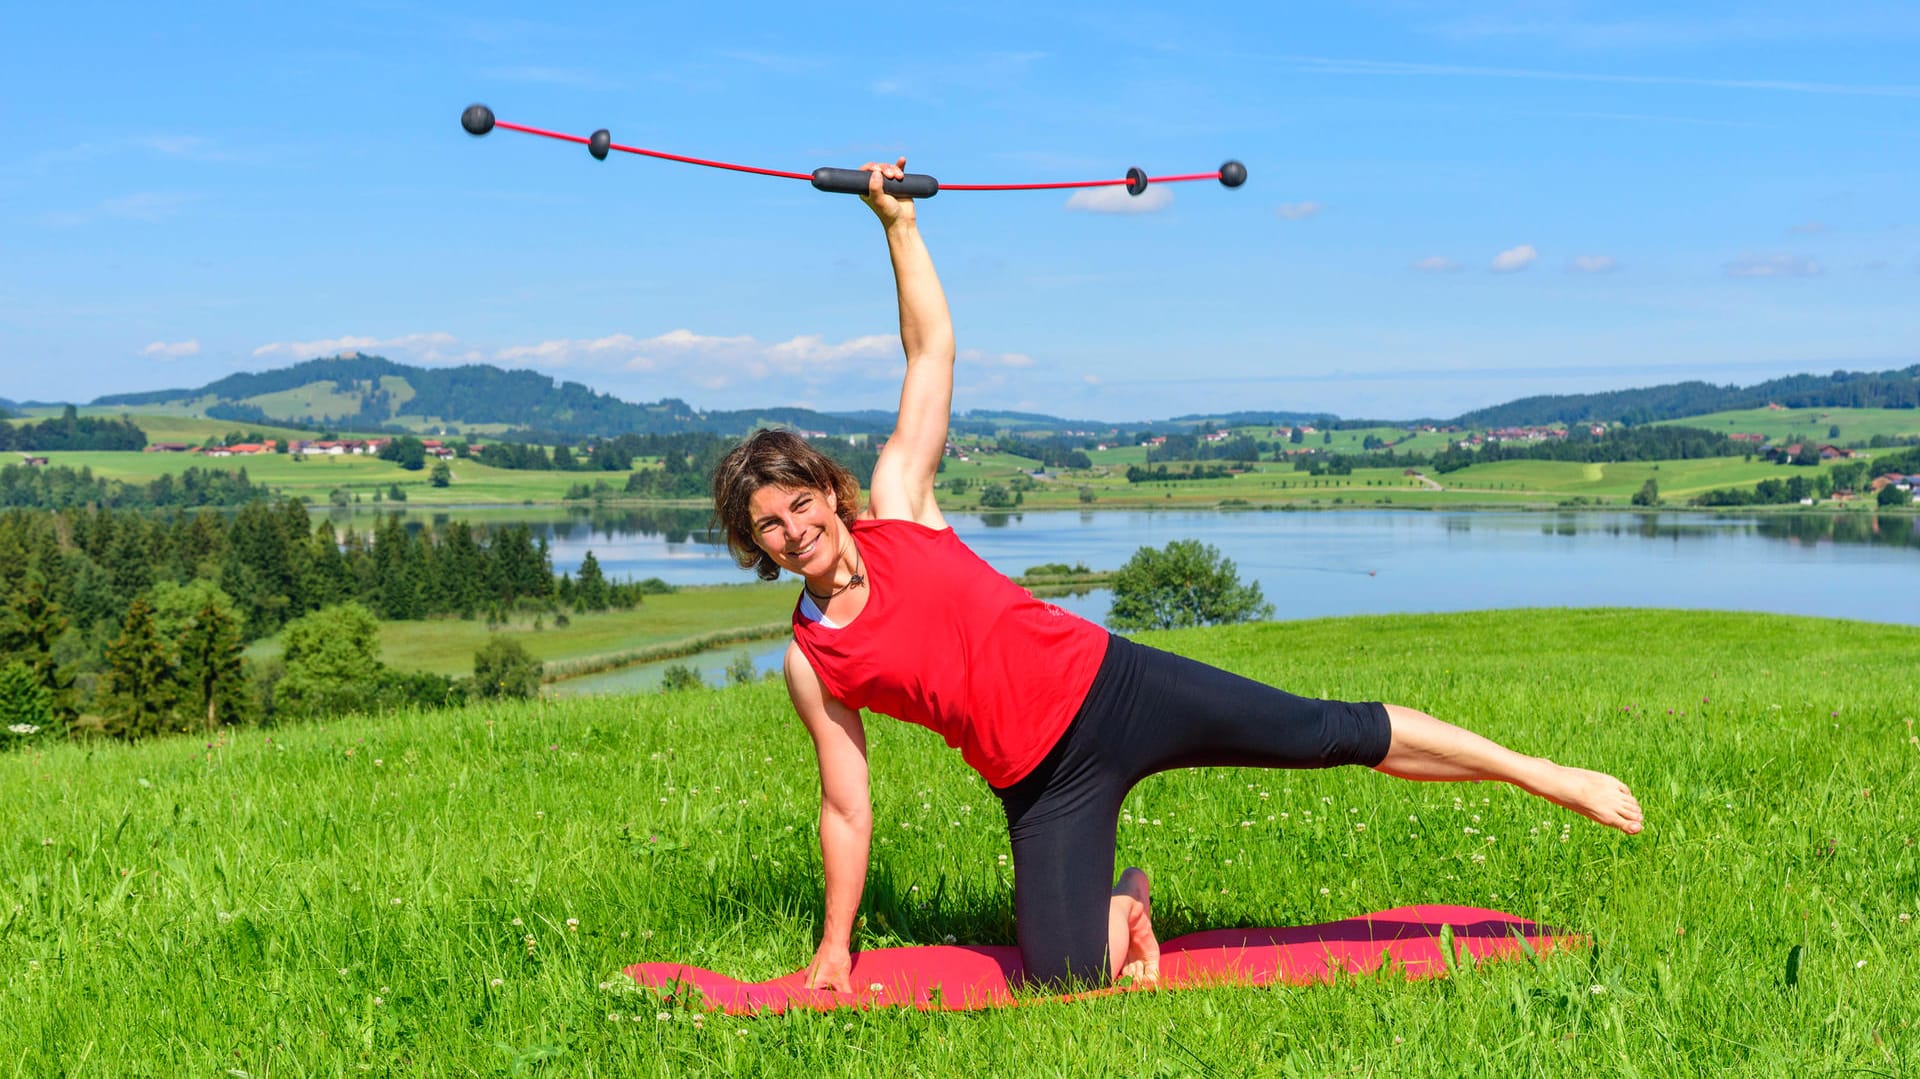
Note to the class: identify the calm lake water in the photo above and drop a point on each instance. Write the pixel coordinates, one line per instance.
(1313, 564)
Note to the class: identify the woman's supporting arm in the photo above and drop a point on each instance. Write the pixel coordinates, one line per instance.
(902, 485)
(846, 816)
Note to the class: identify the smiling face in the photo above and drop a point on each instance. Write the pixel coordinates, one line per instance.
(798, 527)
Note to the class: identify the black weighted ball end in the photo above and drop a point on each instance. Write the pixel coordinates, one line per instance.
(478, 119)
(1233, 174)
(597, 144)
(1136, 181)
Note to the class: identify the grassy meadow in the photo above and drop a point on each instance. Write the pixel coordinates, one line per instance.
(454, 893)
(1857, 425)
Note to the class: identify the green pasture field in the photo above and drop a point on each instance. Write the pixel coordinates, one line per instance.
(1678, 480)
(316, 475)
(455, 893)
(1793, 424)
(592, 640)
(318, 399)
(171, 427)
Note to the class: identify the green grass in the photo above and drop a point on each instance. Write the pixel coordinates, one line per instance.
(392, 895)
(1793, 424)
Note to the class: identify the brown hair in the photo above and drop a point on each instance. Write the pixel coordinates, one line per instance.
(777, 459)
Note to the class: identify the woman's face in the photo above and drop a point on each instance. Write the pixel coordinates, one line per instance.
(798, 528)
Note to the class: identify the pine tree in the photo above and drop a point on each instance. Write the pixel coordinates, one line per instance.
(590, 588)
(142, 685)
(25, 706)
(32, 624)
(213, 678)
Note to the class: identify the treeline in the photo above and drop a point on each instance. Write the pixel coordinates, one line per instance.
(1159, 473)
(108, 612)
(59, 487)
(71, 431)
(1050, 452)
(1618, 444)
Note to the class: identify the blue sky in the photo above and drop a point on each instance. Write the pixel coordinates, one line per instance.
(1449, 204)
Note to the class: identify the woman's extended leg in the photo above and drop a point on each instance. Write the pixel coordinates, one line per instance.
(1425, 748)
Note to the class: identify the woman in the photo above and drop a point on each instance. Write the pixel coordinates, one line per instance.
(1060, 717)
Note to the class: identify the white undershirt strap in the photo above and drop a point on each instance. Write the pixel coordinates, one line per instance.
(811, 611)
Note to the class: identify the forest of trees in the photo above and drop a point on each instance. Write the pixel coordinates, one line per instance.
(59, 487)
(1619, 444)
(120, 615)
(71, 431)
(1841, 389)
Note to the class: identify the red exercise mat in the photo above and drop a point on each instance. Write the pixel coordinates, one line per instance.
(960, 978)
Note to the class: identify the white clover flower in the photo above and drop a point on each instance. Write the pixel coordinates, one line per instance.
(23, 728)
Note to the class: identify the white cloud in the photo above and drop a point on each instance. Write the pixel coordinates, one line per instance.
(437, 347)
(1299, 211)
(1436, 264)
(174, 145)
(171, 350)
(1514, 259)
(1807, 228)
(1592, 264)
(1114, 199)
(1752, 265)
(144, 206)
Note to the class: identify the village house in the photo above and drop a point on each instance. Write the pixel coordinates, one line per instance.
(32, 462)
(171, 447)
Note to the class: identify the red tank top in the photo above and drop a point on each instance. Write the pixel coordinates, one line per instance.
(947, 642)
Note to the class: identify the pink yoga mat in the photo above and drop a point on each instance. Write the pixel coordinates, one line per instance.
(958, 978)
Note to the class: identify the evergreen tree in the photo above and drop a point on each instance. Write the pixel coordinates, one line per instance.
(33, 623)
(590, 591)
(25, 706)
(142, 685)
(213, 678)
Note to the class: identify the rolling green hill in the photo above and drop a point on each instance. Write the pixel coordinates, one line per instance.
(371, 393)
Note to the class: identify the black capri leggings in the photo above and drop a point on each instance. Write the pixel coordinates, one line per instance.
(1147, 711)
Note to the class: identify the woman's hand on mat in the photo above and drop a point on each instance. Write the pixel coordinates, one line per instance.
(891, 211)
(832, 968)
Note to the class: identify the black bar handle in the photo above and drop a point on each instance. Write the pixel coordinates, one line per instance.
(914, 185)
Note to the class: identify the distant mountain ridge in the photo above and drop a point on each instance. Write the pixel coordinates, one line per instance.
(367, 393)
(384, 393)
(1841, 389)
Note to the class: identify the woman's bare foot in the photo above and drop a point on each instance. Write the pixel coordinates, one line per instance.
(1131, 945)
(1594, 795)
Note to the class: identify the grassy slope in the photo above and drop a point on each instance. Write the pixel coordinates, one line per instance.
(342, 898)
(1790, 424)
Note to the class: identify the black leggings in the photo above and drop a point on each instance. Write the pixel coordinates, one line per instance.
(1147, 711)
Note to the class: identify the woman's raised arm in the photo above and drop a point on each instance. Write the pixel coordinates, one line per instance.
(902, 485)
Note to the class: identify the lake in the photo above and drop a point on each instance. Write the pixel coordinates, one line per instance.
(1314, 564)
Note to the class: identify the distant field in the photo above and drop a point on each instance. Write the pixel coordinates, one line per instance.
(1786, 425)
(316, 476)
